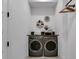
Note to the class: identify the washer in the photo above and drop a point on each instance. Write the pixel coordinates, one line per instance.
(35, 46)
(50, 46)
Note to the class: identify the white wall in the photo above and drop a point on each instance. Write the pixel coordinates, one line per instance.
(69, 22)
(72, 37)
(59, 28)
(51, 23)
(42, 11)
(4, 29)
(70, 34)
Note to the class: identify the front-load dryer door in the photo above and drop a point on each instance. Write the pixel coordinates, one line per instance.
(35, 45)
(50, 47)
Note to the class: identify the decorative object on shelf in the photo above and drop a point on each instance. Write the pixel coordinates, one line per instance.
(40, 24)
(46, 28)
(47, 19)
(68, 8)
(32, 33)
(48, 33)
(42, 33)
(53, 33)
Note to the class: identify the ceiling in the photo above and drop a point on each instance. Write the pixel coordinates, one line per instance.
(42, 0)
(43, 7)
(43, 3)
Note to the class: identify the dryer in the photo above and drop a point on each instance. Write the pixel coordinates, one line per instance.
(50, 46)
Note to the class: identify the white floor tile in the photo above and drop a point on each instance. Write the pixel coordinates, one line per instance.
(43, 58)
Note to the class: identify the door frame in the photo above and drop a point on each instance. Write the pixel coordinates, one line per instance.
(4, 29)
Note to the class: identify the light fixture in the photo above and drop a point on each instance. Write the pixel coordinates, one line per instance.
(43, 0)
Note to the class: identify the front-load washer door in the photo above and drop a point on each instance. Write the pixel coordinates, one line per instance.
(35, 45)
(35, 48)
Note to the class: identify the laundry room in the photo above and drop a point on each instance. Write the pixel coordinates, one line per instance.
(39, 29)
